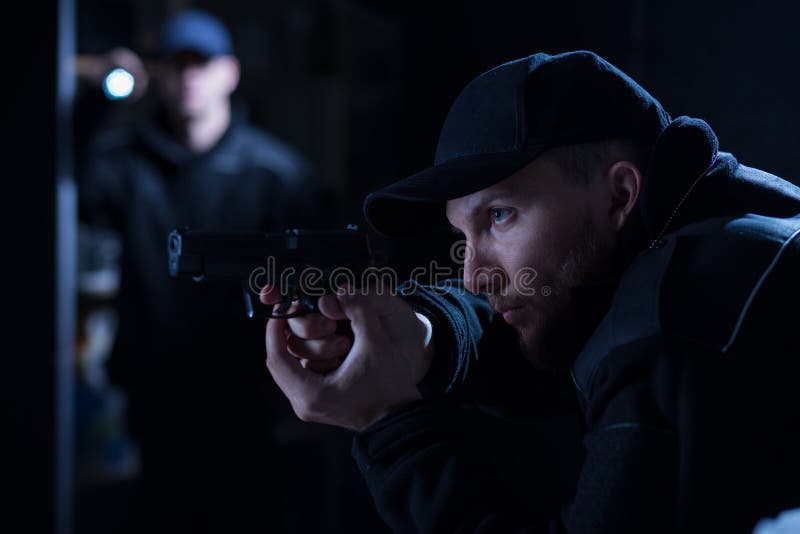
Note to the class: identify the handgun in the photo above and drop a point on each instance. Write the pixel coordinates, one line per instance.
(303, 264)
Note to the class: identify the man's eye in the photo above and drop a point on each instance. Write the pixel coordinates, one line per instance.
(499, 214)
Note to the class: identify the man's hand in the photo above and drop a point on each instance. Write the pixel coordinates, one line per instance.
(94, 68)
(329, 379)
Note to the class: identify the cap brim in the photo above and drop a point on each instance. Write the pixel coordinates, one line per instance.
(416, 204)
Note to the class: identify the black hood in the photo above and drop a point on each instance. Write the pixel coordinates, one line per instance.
(715, 229)
(689, 180)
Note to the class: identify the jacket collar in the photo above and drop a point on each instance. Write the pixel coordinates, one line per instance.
(158, 139)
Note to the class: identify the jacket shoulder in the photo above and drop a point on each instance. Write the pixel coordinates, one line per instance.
(698, 285)
(717, 269)
(267, 151)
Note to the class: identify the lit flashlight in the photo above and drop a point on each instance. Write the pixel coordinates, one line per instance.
(118, 84)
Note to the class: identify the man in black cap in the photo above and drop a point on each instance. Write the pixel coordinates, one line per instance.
(615, 257)
(192, 159)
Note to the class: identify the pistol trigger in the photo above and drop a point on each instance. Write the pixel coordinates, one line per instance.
(285, 305)
(308, 304)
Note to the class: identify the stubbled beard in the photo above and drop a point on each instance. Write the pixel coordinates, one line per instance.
(571, 312)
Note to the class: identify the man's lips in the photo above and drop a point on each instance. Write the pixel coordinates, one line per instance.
(507, 311)
(503, 309)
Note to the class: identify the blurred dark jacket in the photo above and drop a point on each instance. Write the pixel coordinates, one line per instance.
(200, 404)
(143, 183)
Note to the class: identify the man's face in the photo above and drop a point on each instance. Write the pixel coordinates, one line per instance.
(192, 85)
(531, 240)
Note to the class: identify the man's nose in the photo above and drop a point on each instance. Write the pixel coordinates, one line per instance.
(467, 254)
(482, 275)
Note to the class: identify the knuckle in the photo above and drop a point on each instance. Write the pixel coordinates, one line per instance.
(312, 407)
(302, 414)
(297, 326)
(321, 326)
(312, 326)
(330, 307)
(307, 409)
(297, 346)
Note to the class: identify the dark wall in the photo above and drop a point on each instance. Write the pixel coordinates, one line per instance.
(732, 64)
(30, 449)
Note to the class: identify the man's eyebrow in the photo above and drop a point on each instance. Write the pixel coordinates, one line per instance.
(481, 203)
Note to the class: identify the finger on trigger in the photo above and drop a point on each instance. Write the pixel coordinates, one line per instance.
(293, 308)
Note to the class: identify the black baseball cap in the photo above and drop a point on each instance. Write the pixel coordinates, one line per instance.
(195, 30)
(508, 116)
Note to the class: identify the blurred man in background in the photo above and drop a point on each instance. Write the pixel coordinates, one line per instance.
(187, 157)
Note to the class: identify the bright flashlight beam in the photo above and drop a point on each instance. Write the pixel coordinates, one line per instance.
(118, 84)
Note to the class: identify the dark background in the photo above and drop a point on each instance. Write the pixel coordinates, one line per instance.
(361, 88)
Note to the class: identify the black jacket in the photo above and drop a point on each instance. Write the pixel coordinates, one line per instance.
(189, 361)
(143, 183)
(687, 389)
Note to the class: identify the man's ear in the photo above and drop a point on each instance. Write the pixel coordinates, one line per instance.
(624, 181)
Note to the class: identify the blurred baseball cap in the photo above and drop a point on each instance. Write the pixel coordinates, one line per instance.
(508, 116)
(195, 30)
